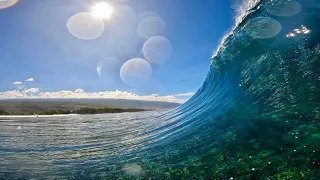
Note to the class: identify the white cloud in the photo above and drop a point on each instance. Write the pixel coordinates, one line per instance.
(15, 94)
(185, 94)
(79, 91)
(30, 80)
(17, 83)
(31, 91)
(34, 93)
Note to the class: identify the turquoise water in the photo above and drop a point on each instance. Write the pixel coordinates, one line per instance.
(255, 117)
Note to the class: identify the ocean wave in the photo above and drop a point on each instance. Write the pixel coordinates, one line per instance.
(256, 116)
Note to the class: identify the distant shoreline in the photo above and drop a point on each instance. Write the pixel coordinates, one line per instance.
(81, 111)
(59, 115)
(55, 115)
(76, 106)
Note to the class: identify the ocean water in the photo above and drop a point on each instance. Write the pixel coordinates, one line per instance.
(255, 117)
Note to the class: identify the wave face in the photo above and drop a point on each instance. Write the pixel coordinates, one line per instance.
(255, 117)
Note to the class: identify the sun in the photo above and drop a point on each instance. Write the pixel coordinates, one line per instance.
(102, 10)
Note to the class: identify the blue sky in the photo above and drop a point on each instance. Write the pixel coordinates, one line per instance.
(36, 43)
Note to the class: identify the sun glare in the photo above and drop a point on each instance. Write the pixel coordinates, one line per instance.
(102, 10)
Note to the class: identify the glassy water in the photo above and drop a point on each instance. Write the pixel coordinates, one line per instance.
(255, 117)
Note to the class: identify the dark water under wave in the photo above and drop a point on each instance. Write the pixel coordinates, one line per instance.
(255, 117)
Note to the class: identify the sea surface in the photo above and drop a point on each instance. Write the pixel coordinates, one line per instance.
(255, 117)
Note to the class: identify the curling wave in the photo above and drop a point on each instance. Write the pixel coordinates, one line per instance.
(255, 117)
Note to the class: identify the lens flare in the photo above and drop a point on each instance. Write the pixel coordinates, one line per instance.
(7, 3)
(151, 26)
(85, 26)
(102, 10)
(132, 169)
(108, 71)
(283, 8)
(263, 27)
(136, 72)
(157, 49)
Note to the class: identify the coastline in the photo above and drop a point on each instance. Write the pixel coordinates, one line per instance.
(46, 108)
(36, 116)
(81, 111)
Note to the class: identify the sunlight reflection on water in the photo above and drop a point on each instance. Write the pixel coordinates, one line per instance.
(45, 144)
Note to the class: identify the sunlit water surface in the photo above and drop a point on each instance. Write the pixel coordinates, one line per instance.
(58, 146)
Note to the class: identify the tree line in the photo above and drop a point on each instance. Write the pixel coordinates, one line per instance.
(78, 111)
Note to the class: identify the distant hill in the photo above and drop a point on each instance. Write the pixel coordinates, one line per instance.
(42, 105)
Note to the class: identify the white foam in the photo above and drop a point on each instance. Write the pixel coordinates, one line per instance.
(241, 9)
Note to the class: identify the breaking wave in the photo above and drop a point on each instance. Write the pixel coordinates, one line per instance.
(256, 116)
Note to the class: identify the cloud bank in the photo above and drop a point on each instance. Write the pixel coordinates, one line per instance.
(35, 93)
(29, 80)
(185, 94)
(17, 83)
